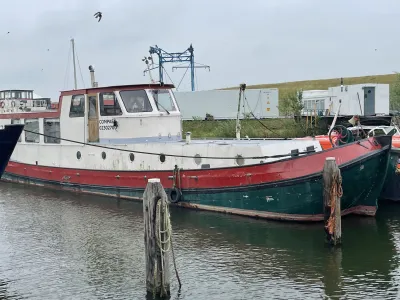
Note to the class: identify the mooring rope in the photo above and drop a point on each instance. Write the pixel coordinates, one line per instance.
(166, 154)
(165, 245)
(335, 192)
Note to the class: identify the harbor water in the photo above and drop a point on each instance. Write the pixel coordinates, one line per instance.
(60, 245)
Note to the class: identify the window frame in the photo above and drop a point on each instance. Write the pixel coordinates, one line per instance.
(150, 104)
(102, 106)
(171, 98)
(32, 121)
(81, 114)
(57, 120)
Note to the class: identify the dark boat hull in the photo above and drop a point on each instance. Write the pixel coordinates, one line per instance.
(9, 136)
(289, 189)
(391, 188)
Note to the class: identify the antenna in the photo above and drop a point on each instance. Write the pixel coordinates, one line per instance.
(146, 61)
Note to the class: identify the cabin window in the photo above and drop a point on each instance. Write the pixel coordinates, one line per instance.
(31, 125)
(51, 131)
(17, 121)
(136, 101)
(109, 105)
(163, 100)
(77, 106)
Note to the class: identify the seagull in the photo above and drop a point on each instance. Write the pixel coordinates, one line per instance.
(98, 15)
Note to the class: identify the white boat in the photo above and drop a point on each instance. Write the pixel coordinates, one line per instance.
(111, 139)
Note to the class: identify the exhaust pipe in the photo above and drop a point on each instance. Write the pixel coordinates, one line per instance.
(92, 78)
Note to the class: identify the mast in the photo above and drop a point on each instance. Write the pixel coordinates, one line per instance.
(241, 92)
(73, 59)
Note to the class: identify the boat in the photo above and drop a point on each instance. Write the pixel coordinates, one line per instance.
(360, 132)
(110, 140)
(9, 135)
(391, 187)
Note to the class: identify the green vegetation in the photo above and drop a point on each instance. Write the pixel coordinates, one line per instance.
(289, 106)
(271, 128)
(395, 94)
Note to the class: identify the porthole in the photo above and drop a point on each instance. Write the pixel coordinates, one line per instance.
(103, 155)
(197, 159)
(131, 156)
(162, 158)
(239, 160)
(78, 155)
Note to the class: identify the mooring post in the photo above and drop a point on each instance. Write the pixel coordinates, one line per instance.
(332, 186)
(156, 239)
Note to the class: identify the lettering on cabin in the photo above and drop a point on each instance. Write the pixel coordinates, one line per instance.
(107, 125)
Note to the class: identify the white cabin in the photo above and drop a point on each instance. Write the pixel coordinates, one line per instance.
(125, 122)
(116, 115)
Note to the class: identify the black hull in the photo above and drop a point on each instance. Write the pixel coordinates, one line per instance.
(8, 140)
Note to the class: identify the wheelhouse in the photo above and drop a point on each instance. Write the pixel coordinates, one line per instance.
(116, 114)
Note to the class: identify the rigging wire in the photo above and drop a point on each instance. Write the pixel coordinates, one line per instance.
(80, 70)
(182, 78)
(158, 154)
(168, 75)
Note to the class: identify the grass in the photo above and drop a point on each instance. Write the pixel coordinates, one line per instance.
(276, 127)
(273, 128)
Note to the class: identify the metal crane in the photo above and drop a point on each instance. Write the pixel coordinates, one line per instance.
(169, 57)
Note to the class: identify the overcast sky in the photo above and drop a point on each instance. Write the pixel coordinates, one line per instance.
(254, 41)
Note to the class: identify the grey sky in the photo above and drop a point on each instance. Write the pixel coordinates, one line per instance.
(254, 41)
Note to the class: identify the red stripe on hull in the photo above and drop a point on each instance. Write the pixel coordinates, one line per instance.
(201, 178)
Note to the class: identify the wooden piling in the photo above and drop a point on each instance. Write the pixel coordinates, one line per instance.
(156, 237)
(332, 186)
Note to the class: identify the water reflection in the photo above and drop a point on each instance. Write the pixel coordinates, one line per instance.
(61, 245)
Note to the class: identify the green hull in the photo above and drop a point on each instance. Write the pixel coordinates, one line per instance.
(302, 199)
(391, 188)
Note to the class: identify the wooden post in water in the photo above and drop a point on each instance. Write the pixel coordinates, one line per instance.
(332, 186)
(156, 237)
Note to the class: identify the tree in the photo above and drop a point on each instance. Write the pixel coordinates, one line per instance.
(291, 104)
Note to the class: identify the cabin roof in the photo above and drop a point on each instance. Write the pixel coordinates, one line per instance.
(15, 90)
(116, 87)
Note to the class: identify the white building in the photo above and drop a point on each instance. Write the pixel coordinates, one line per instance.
(223, 104)
(314, 100)
(359, 99)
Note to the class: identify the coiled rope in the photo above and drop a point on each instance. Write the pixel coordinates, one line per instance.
(164, 229)
(170, 155)
(335, 193)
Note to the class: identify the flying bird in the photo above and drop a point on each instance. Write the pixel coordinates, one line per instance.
(98, 15)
